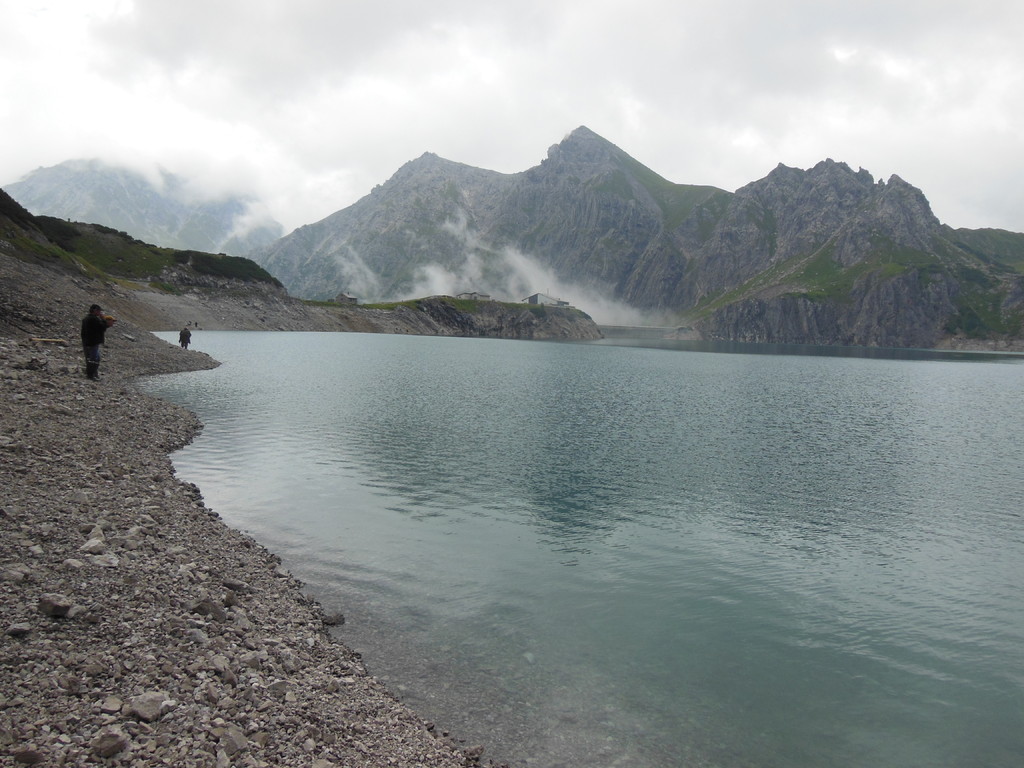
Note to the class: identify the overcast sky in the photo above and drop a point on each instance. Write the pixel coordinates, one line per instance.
(310, 103)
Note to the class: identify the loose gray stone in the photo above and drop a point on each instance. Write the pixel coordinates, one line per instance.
(233, 740)
(111, 705)
(28, 756)
(94, 547)
(208, 607)
(109, 742)
(148, 706)
(15, 573)
(198, 637)
(53, 604)
(278, 687)
(236, 586)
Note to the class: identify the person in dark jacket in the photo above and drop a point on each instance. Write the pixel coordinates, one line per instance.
(94, 328)
(184, 337)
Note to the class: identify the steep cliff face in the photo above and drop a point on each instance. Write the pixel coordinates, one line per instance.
(792, 215)
(906, 311)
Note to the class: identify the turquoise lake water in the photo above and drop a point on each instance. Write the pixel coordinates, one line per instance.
(611, 555)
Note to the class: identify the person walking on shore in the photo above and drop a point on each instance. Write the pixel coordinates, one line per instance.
(94, 328)
(184, 337)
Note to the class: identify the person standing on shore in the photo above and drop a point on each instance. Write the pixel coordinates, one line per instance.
(94, 328)
(184, 337)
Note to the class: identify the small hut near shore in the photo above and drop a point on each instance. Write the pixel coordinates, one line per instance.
(541, 298)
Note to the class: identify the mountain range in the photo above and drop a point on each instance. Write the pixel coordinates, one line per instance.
(826, 255)
(164, 210)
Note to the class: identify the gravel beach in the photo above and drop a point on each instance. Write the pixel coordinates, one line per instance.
(137, 628)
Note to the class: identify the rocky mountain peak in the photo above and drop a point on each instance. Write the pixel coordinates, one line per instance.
(808, 207)
(429, 164)
(906, 213)
(582, 147)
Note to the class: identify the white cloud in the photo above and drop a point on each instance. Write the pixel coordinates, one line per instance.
(310, 103)
(507, 274)
(359, 278)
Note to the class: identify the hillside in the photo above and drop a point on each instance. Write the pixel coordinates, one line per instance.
(826, 255)
(52, 270)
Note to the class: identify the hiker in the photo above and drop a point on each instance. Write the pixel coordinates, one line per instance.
(184, 337)
(94, 328)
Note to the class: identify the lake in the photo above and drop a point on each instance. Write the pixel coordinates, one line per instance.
(651, 554)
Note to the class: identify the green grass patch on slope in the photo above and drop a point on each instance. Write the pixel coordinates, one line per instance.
(220, 265)
(979, 307)
(463, 305)
(119, 254)
(676, 201)
(992, 245)
(819, 277)
(824, 279)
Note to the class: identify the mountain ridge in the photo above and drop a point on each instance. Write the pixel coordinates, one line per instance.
(826, 255)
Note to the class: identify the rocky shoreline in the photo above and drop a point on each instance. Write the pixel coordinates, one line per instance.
(139, 629)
